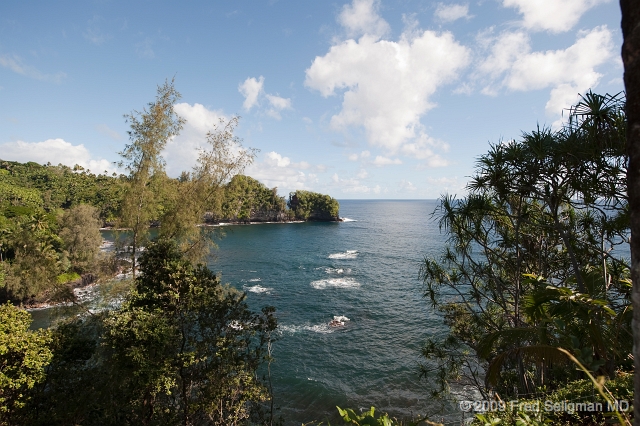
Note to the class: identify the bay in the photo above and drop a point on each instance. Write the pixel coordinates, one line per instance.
(365, 269)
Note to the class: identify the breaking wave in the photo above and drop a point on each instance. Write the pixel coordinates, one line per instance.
(335, 283)
(258, 289)
(318, 328)
(349, 254)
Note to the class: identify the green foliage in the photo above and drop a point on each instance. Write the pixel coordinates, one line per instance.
(246, 198)
(30, 185)
(67, 277)
(307, 205)
(578, 391)
(24, 354)
(33, 256)
(185, 347)
(80, 232)
(530, 263)
(150, 131)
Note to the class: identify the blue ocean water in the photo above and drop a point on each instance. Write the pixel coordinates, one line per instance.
(365, 269)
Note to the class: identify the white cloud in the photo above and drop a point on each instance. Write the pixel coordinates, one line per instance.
(54, 151)
(452, 12)
(386, 85)
(251, 89)
(181, 152)
(405, 185)
(362, 156)
(351, 185)
(380, 161)
(551, 15)
(276, 170)
(278, 102)
(15, 64)
(422, 148)
(277, 105)
(450, 185)
(362, 174)
(512, 65)
(361, 17)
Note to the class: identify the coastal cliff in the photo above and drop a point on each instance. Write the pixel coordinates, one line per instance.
(246, 200)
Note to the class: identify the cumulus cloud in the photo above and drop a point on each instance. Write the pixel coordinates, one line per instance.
(361, 17)
(54, 151)
(511, 64)
(15, 64)
(276, 170)
(253, 89)
(451, 12)
(181, 152)
(380, 161)
(386, 85)
(551, 15)
(405, 185)
(352, 185)
(277, 104)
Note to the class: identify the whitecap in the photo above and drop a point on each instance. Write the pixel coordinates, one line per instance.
(318, 328)
(337, 270)
(349, 254)
(341, 318)
(346, 219)
(253, 280)
(258, 289)
(335, 283)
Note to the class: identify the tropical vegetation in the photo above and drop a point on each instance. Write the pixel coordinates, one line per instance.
(536, 260)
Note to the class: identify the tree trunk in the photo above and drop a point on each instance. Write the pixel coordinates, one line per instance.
(631, 59)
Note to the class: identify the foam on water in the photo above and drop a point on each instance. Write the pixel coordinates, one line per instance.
(318, 328)
(253, 280)
(346, 219)
(340, 318)
(258, 289)
(335, 283)
(349, 254)
(337, 270)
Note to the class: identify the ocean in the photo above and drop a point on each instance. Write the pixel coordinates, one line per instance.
(364, 272)
(365, 269)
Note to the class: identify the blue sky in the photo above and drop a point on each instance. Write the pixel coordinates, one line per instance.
(360, 99)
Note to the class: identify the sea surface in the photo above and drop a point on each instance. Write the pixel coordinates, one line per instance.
(364, 272)
(365, 269)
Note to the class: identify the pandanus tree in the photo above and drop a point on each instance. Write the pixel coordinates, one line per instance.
(533, 245)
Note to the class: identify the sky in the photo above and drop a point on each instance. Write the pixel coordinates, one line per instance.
(367, 99)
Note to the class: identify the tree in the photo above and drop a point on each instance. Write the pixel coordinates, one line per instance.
(186, 347)
(203, 189)
(151, 128)
(80, 232)
(24, 354)
(34, 258)
(631, 60)
(311, 205)
(530, 263)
